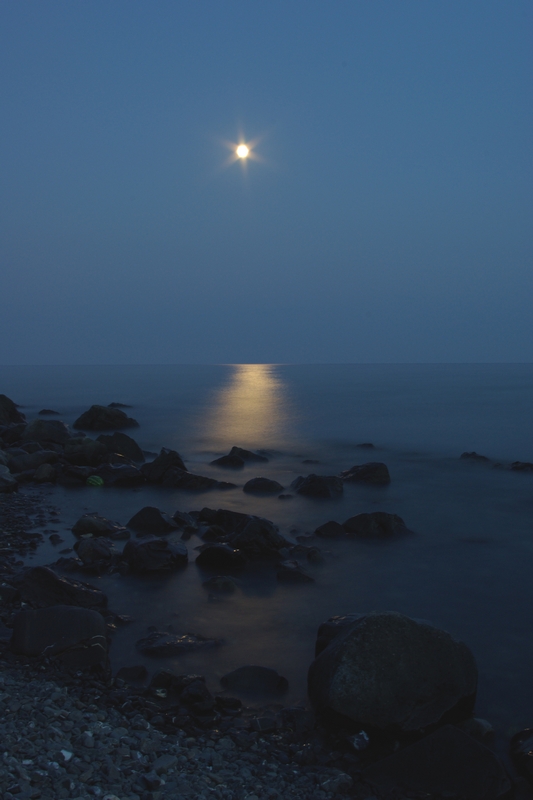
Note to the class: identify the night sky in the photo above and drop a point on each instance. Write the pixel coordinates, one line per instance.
(388, 220)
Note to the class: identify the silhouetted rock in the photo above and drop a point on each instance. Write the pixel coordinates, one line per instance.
(262, 486)
(522, 753)
(318, 485)
(48, 412)
(167, 460)
(85, 452)
(255, 680)
(154, 555)
(162, 644)
(522, 466)
(390, 673)
(120, 475)
(45, 474)
(473, 456)
(328, 630)
(151, 520)
(46, 430)
(260, 538)
(377, 525)
(229, 462)
(41, 587)
(330, 530)
(180, 479)
(247, 455)
(185, 521)
(76, 636)
(220, 557)
(366, 445)
(94, 551)
(123, 444)
(291, 572)
(375, 472)
(32, 460)
(231, 521)
(119, 405)
(98, 526)
(7, 481)
(104, 418)
(9, 412)
(447, 763)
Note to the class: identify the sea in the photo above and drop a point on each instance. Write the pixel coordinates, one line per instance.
(466, 565)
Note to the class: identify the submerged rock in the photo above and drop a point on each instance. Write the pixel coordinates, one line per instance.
(473, 456)
(377, 525)
(247, 455)
(262, 486)
(154, 555)
(123, 444)
(390, 673)
(375, 472)
(220, 583)
(181, 479)
(330, 530)
(163, 644)
(104, 418)
(256, 680)
(74, 635)
(151, 520)
(318, 485)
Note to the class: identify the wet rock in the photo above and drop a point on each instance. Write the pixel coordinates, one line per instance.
(41, 587)
(154, 555)
(45, 474)
(220, 557)
(48, 412)
(74, 635)
(262, 486)
(318, 485)
(230, 462)
(220, 583)
(330, 530)
(328, 630)
(522, 466)
(180, 479)
(377, 525)
(375, 472)
(522, 753)
(46, 430)
(7, 481)
(162, 644)
(104, 418)
(95, 551)
(447, 763)
(167, 460)
(473, 456)
(9, 412)
(247, 455)
(214, 533)
(151, 520)
(98, 526)
(85, 452)
(390, 673)
(32, 460)
(259, 539)
(123, 444)
(12, 433)
(231, 521)
(135, 674)
(291, 572)
(314, 556)
(120, 475)
(256, 680)
(185, 521)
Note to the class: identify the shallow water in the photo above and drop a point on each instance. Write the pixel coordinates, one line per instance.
(466, 566)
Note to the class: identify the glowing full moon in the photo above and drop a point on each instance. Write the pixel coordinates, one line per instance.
(242, 151)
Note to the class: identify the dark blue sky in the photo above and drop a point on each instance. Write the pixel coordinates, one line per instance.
(390, 218)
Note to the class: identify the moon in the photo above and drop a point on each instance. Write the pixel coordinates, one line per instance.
(242, 151)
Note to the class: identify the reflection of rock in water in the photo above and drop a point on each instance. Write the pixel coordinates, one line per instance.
(251, 410)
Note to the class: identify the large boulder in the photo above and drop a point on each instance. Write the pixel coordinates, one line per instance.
(260, 538)
(155, 471)
(123, 444)
(151, 520)
(9, 413)
(375, 472)
(41, 587)
(318, 485)
(12, 433)
(23, 463)
(390, 673)
(96, 525)
(103, 418)
(377, 525)
(330, 530)
(262, 486)
(77, 636)
(95, 551)
(246, 455)
(85, 452)
(154, 555)
(46, 430)
(220, 557)
(229, 462)
(447, 763)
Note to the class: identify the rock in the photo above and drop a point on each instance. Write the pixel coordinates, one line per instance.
(123, 444)
(151, 520)
(375, 472)
(4, 458)
(85, 452)
(74, 635)
(366, 446)
(94, 551)
(104, 418)
(473, 456)
(291, 572)
(13, 432)
(522, 753)
(330, 530)
(41, 587)
(134, 674)
(259, 539)
(246, 455)
(337, 784)
(522, 466)
(230, 462)
(314, 556)
(32, 460)
(154, 555)
(220, 583)
(185, 521)
(377, 525)
(120, 475)
(9, 412)
(180, 479)
(164, 763)
(262, 486)
(48, 412)
(328, 630)
(214, 533)
(447, 763)
(98, 526)
(155, 470)
(119, 405)
(220, 557)
(46, 430)
(318, 486)
(231, 521)
(256, 680)
(390, 673)
(162, 644)
(45, 474)
(7, 481)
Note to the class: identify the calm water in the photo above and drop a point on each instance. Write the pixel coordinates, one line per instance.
(467, 566)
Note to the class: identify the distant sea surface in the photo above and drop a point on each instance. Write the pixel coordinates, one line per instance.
(467, 566)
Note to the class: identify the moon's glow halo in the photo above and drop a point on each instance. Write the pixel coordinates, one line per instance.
(242, 151)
